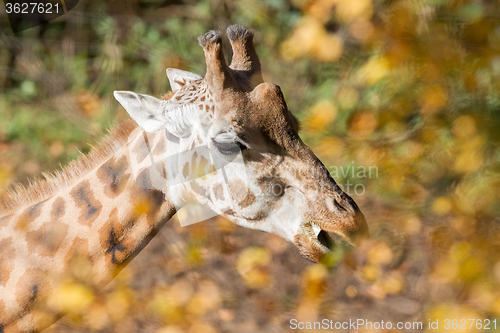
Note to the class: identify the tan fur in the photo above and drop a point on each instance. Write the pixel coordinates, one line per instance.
(21, 196)
(168, 96)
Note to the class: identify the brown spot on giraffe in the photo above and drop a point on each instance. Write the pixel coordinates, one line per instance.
(146, 202)
(111, 223)
(185, 170)
(218, 191)
(112, 175)
(22, 222)
(161, 169)
(47, 239)
(142, 148)
(58, 208)
(118, 250)
(241, 193)
(143, 180)
(7, 252)
(80, 248)
(249, 199)
(28, 215)
(156, 199)
(34, 211)
(27, 287)
(111, 234)
(238, 189)
(160, 146)
(198, 188)
(89, 206)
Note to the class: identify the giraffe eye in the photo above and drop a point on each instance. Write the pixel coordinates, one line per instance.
(230, 148)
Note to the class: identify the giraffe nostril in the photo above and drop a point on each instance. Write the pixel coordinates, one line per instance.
(339, 206)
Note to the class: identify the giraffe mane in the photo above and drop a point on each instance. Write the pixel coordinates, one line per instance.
(39, 189)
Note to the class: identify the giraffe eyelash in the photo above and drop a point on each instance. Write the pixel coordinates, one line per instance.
(230, 148)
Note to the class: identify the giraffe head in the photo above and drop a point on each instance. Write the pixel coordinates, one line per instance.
(255, 169)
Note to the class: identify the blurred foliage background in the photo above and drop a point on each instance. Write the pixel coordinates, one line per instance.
(408, 87)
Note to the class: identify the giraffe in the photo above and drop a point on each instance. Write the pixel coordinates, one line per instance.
(226, 140)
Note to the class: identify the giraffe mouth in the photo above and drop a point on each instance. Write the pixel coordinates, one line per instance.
(319, 239)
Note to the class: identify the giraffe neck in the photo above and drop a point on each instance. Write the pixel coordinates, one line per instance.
(82, 234)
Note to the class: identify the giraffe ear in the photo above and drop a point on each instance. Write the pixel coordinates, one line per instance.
(147, 111)
(179, 78)
(153, 114)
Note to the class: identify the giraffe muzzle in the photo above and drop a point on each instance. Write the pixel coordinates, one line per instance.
(315, 238)
(348, 222)
(313, 242)
(319, 235)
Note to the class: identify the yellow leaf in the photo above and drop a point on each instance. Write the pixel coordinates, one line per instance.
(433, 98)
(373, 70)
(469, 160)
(69, 296)
(310, 38)
(314, 281)
(371, 272)
(464, 127)
(347, 97)
(328, 48)
(207, 298)
(351, 291)
(442, 206)
(252, 267)
(323, 113)
(347, 10)
(455, 313)
(118, 303)
(393, 283)
(362, 124)
(330, 147)
(380, 254)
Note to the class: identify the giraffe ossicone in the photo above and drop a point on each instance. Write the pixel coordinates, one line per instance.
(226, 141)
